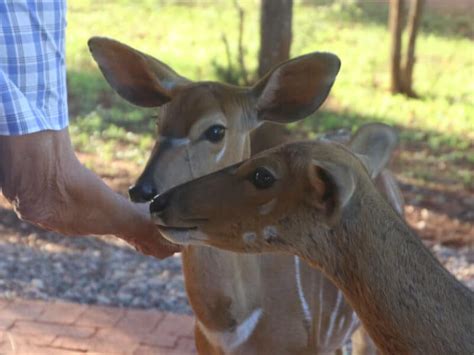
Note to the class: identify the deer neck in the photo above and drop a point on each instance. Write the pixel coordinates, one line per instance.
(407, 301)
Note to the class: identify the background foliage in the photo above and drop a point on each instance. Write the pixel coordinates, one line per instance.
(437, 129)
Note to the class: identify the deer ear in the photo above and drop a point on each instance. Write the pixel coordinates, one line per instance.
(387, 184)
(295, 88)
(332, 186)
(374, 144)
(137, 77)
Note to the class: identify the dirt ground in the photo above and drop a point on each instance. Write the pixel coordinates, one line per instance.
(442, 213)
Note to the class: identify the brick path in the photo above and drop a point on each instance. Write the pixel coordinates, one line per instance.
(37, 327)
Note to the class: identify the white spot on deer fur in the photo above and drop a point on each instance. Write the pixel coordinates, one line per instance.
(176, 142)
(299, 287)
(267, 207)
(270, 232)
(229, 341)
(220, 155)
(249, 237)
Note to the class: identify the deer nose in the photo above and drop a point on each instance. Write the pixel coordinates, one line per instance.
(159, 203)
(142, 192)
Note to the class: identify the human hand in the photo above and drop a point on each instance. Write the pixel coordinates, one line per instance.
(146, 238)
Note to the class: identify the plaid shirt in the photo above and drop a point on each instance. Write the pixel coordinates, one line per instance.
(33, 94)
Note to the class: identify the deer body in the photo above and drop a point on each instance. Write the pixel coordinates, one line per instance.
(329, 213)
(257, 308)
(244, 304)
(407, 300)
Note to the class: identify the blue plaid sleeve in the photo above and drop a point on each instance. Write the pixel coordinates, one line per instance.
(33, 94)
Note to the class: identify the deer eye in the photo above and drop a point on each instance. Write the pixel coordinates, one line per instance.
(215, 133)
(262, 178)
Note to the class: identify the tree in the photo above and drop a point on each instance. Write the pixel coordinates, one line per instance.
(396, 27)
(275, 33)
(275, 42)
(414, 17)
(401, 77)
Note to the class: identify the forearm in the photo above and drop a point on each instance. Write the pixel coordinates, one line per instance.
(49, 187)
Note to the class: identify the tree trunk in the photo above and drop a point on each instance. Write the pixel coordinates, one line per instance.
(275, 33)
(396, 26)
(414, 17)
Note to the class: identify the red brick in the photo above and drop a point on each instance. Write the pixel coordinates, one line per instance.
(160, 340)
(100, 316)
(34, 328)
(62, 312)
(186, 345)
(71, 343)
(6, 323)
(111, 331)
(168, 331)
(36, 339)
(106, 340)
(140, 321)
(94, 345)
(54, 351)
(23, 309)
(116, 345)
(149, 350)
(28, 349)
(178, 325)
(116, 336)
(4, 302)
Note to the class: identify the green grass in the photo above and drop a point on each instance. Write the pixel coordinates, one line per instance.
(188, 37)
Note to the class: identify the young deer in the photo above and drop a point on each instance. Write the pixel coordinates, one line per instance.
(243, 303)
(325, 209)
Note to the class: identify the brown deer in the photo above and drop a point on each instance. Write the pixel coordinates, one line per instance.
(326, 210)
(243, 303)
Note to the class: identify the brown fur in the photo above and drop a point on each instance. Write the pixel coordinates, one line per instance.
(224, 288)
(407, 301)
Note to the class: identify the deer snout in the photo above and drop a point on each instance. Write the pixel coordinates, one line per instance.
(143, 192)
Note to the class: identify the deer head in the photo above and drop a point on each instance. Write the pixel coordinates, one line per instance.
(317, 200)
(260, 204)
(205, 126)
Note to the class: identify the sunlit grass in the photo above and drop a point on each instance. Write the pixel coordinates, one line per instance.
(189, 38)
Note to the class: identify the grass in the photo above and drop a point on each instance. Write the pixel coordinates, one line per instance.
(188, 37)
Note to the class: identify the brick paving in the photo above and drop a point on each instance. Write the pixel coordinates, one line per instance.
(53, 328)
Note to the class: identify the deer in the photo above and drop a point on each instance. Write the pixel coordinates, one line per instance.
(327, 211)
(244, 304)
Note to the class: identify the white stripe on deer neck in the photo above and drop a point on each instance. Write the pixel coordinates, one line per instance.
(321, 285)
(351, 328)
(299, 287)
(334, 314)
(231, 340)
(341, 323)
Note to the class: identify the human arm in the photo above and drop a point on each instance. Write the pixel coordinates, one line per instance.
(48, 186)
